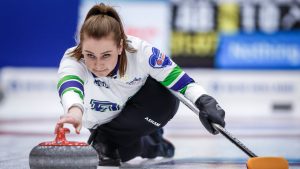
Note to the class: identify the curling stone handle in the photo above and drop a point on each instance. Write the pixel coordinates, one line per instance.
(61, 135)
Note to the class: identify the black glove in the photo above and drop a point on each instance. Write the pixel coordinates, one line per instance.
(210, 112)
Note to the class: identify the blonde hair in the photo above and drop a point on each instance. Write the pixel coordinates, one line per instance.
(101, 21)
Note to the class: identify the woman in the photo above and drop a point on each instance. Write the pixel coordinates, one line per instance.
(116, 86)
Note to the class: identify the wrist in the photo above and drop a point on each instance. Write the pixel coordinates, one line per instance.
(75, 110)
(76, 106)
(203, 101)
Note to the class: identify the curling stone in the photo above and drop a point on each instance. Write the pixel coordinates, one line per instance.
(63, 154)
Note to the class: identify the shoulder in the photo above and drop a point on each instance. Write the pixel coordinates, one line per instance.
(68, 52)
(68, 55)
(133, 40)
(67, 58)
(144, 50)
(137, 43)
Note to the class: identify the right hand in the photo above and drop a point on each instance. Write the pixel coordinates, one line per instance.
(74, 117)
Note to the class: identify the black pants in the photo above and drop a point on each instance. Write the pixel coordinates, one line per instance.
(146, 112)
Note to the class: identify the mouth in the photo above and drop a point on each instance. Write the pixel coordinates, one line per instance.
(100, 71)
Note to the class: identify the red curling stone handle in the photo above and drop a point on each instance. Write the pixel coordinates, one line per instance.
(61, 140)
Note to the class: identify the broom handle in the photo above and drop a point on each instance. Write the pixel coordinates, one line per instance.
(219, 128)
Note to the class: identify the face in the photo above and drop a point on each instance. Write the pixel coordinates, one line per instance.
(101, 55)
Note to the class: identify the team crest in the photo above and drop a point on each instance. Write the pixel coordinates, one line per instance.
(134, 81)
(104, 106)
(100, 83)
(159, 59)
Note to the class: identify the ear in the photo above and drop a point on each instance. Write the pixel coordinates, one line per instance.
(120, 48)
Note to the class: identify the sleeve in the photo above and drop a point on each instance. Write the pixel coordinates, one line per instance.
(71, 74)
(162, 68)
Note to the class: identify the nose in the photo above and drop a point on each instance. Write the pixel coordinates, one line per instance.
(98, 63)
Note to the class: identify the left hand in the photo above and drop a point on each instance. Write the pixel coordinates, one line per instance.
(210, 112)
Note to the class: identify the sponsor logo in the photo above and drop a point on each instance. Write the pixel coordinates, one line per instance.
(134, 81)
(104, 106)
(100, 83)
(152, 121)
(258, 51)
(158, 59)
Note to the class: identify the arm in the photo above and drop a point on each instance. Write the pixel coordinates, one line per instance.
(170, 75)
(71, 91)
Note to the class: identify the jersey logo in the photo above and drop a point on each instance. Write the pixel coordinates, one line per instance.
(100, 83)
(134, 81)
(104, 106)
(159, 59)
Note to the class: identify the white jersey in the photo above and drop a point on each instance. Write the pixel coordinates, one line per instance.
(103, 98)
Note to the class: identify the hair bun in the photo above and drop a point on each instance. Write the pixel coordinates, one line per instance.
(101, 9)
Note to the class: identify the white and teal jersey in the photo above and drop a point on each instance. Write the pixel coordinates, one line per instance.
(103, 98)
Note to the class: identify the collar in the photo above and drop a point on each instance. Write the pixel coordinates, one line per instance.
(114, 72)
